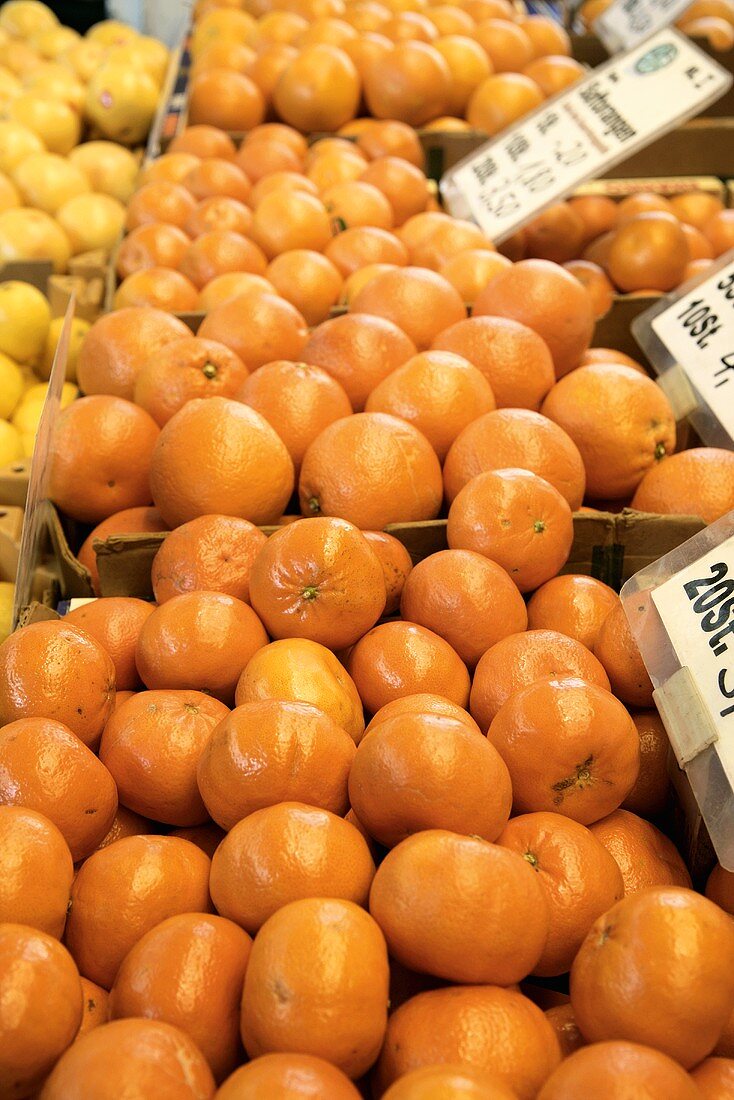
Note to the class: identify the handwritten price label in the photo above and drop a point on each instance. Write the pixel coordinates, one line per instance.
(625, 23)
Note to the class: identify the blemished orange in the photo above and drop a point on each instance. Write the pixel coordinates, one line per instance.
(319, 90)
(563, 1021)
(411, 84)
(203, 141)
(465, 598)
(186, 369)
(396, 565)
(401, 658)
(283, 853)
(160, 201)
(554, 73)
(286, 1076)
(36, 871)
(598, 286)
(644, 855)
(621, 422)
(100, 457)
(175, 727)
(153, 245)
(40, 1007)
(438, 392)
(318, 579)
(406, 768)
(285, 220)
(358, 350)
(714, 1078)
(211, 554)
(482, 1026)
(270, 751)
(623, 1067)
(720, 888)
(171, 166)
(94, 1006)
(354, 249)
(648, 252)
(543, 296)
(512, 438)
(299, 670)
(515, 360)
(519, 660)
(579, 878)
(470, 271)
(135, 1056)
(225, 99)
(555, 234)
(618, 652)
(460, 1080)
(330, 958)
(516, 519)
(258, 327)
(620, 991)
(205, 955)
(570, 746)
(597, 212)
(371, 469)
(260, 160)
(250, 473)
(235, 284)
(403, 184)
(308, 280)
(468, 64)
(574, 605)
(158, 287)
(116, 623)
(51, 670)
(123, 891)
(422, 703)
(500, 100)
(219, 213)
(650, 793)
(696, 482)
(129, 520)
(419, 301)
(508, 47)
(46, 768)
(218, 252)
(199, 640)
(695, 207)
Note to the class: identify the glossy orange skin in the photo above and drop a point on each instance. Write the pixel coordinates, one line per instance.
(258, 327)
(494, 1029)
(574, 605)
(622, 1066)
(563, 1021)
(216, 177)
(225, 99)
(171, 166)
(391, 137)
(412, 83)
(695, 207)
(285, 220)
(619, 653)
(470, 271)
(323, 963)
(610, 355)
(650, 793)
(272, 751)
(594, 279)
(649, 251)
(396, 565)
(116, 623)
(283, 853)
(46, 768)
(715, 1078)
(203, 141)
(308, 280)
(123, 891)
(422, 703)
(446, 238)
(260, 160)
(152, 745)
(578, 876)
(153, 245)
(234, 284)
(160, 201)
(94, 1007)
(36, 871)
(129, 520)
(642, 959)
(211, 553)
(218, 252)
(219, 213)
(356, 248)
(404, 185)
(464, 1081)
(188, 971)
(698, 482)
(40, 1007)
(500, 100)
(421, 302)
(142, 1057)
(289, 1077)
(720, 888)
(318, 579)
(158, 287)
(644, 855)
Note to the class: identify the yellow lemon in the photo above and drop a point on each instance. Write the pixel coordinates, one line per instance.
(24, 18)
(79, 330)
(11, 386)
(11, 445)
(28, 439)
(7, 596)
(25, 317)
(69, 393)
(27, 416)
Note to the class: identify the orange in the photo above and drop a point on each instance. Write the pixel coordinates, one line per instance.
(203, 141)
(286, 1076)
(598, 214)
(327, 30)
(222, 54)
(37, 872)
(285, 220)
(40, 1007)
(396, 565)
(618, 652)
(555, 234)
(448, 19)
(500, 100)
(186, 369)
(371, 469)
(261, 159)
(470, 271)
(443, 239)
(225, 99)
(400, 658)
(51, 670)
(410, 84)
(484, 1027)
(354, 282)
(625, 1069)
(720, 888)
(391, 137)
(318, 90)
(697, 482)
(404, 185)
(207, 837)
(466, 599)
(160, 201)
(215, 178)
(516, 519)
(648, 252)
(354, 249)
(278, 180)
(563, 1021)
(117, 345)
(649, 795)
(642, 202)
(126, 823)
(422, 703)
(718, 32)
(696, 267)
(593, 278)
(458, 1080)
(438, 392)
(199, 640)
(410, 25)
(94, 1007)
(699, 246)
(597, 252)
(365, 50)
(573, 605)
(123, 891)
(174, 726)
(46, 768)
(204, 955)
(644, 855)
(211, 553)
(469, 64)
(714, 1076)
(329, 957)
(621, 422)
(158, 287)
(220, 25)
(235, 284)
(318, 579)
(116, 624)
(695, 207)
(725, 1044)
(268, 66)
(515, 360)
(549, 300)
(219, 252)
(271, 751)
(308, 280)
(353, 202)
(610, 355)
(333, 160)
(422, 303)
(284, 853)
(171, 166)
(508, 47)
(579, 878)
(553, 74)
(249, 475)
(546, 35)
(129, 520)
(135, 1056)
(303, 671)
(279, 27)
(153, 245)
(406, 768)
(219, 212)
(630, 977)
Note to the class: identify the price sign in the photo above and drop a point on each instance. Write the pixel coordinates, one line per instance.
(625, 23)
(616, 110)
(689, 339)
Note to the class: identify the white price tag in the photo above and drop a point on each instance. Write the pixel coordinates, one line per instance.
(616, 110)
(625, 23)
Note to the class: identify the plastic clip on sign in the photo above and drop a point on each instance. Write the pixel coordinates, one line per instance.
(626, 23)
(689, 338)
(579, 134)
(681, 611)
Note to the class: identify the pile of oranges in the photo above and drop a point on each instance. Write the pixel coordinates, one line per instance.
(711, 20)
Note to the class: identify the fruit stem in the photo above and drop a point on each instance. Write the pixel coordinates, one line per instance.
(659, 452)
(313, 504)
(539, 527)
(309, 593)
(209, 370)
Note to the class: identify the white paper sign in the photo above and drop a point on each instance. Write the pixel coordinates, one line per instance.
(625, 23)
(619, 108)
